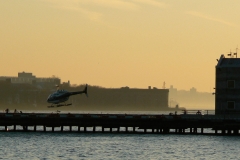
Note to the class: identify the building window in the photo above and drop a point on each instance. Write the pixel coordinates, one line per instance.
(231, 105)
(231, 83)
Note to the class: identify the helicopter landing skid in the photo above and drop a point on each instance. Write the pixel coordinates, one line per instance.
(60, 105)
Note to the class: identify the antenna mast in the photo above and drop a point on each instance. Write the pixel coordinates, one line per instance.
(236, 52)
(164, 85)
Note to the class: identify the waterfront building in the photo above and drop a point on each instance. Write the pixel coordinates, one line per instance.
(26, 89)
(29, 78)
(124, 98)
(227, 85)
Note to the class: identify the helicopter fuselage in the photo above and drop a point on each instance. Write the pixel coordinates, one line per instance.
(61, 96)
(58, 97)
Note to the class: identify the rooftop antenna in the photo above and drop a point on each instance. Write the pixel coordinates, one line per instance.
(164, 85)
(230, 54)
(236, 52)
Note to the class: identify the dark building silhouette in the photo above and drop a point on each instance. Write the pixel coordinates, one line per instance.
(30, 92)
(125, 99)
(227, 89)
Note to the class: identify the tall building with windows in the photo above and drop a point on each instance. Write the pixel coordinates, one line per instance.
(227, 85)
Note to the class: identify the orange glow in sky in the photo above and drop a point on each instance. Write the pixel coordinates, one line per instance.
(115, 43)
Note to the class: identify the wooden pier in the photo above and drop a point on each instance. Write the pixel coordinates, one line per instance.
(120, 123)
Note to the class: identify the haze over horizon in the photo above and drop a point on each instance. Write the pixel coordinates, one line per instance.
(116, 43)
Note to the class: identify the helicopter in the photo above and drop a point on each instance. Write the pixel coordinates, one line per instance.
(59, 97)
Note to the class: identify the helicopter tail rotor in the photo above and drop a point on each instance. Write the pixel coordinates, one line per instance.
(85, 90)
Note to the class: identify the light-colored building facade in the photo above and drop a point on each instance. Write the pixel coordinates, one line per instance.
(227, 86)
(29, 78)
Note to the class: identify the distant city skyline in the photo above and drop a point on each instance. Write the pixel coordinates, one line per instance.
(115, 43)
(188, 98)
(30, 77)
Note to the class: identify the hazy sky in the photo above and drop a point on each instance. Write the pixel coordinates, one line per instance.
(115, 43)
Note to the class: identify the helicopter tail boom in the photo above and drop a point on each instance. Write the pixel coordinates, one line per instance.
(80, 92)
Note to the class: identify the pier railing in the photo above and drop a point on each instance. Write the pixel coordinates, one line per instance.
(202, 112)
(139, 123)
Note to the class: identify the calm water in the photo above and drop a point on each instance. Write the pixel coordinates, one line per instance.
(39, 145)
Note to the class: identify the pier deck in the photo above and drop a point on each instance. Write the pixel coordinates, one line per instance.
(120, 123)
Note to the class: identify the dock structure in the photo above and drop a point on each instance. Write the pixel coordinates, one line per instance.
(120, 123)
